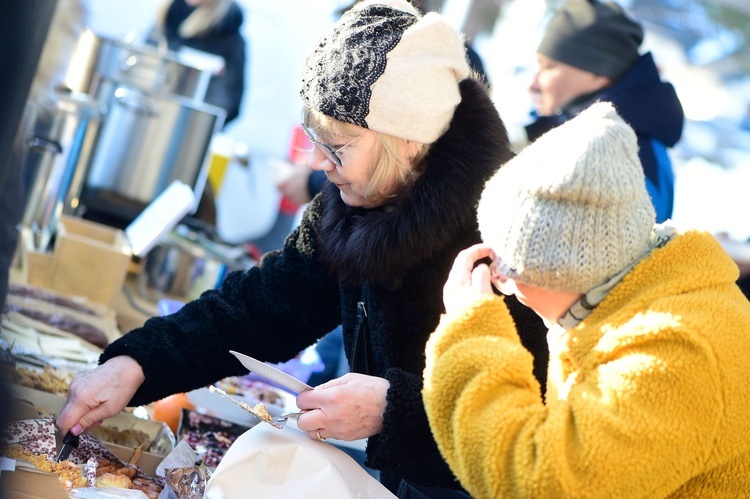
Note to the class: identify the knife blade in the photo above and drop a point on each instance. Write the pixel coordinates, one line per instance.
(271, 373)
(70, 442)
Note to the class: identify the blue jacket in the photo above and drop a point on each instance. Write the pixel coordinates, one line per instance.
(653, 109)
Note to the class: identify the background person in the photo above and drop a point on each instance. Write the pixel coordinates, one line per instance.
(211, 26)
(648, 338)
(406, 164)
(589, 53)
(302, 185)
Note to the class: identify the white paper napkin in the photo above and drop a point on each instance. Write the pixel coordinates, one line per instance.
(271, 463)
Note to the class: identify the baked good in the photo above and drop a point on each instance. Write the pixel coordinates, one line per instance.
(112, 480)
(48, 379)
(70, 474)
(49, 297)
(261, 411)
(63, 322)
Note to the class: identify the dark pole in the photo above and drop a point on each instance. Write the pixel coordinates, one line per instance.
(23, 30)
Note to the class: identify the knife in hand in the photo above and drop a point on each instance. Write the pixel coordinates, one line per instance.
(70, 442)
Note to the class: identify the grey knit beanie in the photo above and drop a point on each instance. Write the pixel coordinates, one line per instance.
(387, 68)
(599, 37)
(571, 210)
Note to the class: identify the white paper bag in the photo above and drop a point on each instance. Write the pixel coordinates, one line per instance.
(247, 205)
(270, 463)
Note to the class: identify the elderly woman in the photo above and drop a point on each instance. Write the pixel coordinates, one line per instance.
(212, 26)
(407, 140)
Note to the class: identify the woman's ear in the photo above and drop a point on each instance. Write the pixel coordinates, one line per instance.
(601, 82)
(411, 150)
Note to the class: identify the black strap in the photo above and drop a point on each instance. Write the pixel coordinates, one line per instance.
(409, 490)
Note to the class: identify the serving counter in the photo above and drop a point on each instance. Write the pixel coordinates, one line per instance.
(201, 421)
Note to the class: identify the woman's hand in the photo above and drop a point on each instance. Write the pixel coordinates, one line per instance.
(466, 284)
(100, 394)
(347, 408)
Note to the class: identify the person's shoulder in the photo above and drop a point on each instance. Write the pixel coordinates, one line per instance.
(234, 18)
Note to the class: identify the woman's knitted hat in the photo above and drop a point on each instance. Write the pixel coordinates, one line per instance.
(387, 68)
(571, 210)
(599, 37)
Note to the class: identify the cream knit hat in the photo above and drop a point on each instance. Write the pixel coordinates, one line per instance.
(571, 210)
(386, 68)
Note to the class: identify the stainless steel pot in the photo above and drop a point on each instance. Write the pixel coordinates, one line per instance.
(146, 143)
(184, 266)
(57, 160)
(99, 62)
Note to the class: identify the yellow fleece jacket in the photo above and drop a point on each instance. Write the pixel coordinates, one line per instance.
(648, 397)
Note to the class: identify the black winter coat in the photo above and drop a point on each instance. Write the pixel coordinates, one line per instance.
(225, 90)
(341, 261)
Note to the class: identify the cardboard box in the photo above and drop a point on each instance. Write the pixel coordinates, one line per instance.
(27, 482)
(89, 259)
(146, 462)
(30, 483)
(38, 399)
(38, 268)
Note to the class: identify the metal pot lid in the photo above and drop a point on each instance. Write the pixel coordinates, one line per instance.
(77, 103)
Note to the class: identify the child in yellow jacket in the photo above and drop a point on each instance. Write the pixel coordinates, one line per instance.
(648, 391)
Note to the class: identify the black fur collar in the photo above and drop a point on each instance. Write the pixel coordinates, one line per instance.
(381, 246)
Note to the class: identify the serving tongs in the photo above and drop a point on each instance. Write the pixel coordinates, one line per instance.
(278, 422)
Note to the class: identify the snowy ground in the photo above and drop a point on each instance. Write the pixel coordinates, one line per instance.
(714, 197)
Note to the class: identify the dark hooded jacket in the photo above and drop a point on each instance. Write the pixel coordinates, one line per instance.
(377, 272)
(651, 107)
(225, 90)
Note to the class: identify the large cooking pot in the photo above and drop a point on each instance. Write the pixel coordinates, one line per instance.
(146, 143)
(98, 63)
(185, 264)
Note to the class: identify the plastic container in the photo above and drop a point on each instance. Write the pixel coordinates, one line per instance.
(168, 307)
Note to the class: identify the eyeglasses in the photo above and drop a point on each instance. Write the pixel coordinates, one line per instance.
(501, 271)
(325, 148)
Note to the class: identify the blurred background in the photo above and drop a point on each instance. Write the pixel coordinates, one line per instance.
(701, 46)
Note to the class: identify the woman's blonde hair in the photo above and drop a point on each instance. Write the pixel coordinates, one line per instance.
(200, 21)
(391, 163)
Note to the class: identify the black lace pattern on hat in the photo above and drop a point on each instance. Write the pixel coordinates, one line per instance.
(339, 74)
